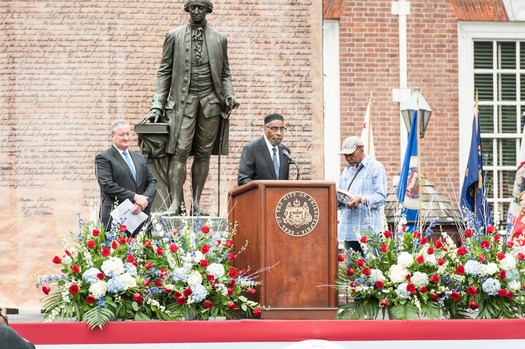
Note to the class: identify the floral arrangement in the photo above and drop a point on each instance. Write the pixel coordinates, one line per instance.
(185, 273)
(408, 276)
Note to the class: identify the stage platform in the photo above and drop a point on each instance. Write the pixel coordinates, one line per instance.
(274, 334)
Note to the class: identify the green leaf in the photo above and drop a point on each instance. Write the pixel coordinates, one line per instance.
(97, 317)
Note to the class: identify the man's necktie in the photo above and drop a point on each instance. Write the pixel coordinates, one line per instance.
(130, 165)
(198, 39)
(275, 162)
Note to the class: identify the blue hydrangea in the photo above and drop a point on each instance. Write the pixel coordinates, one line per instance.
(473, 267)
(116, 285)
(130, 269)
(491, 286)
(402, 291)
(199, 293)
(90, 275)
(181, 274)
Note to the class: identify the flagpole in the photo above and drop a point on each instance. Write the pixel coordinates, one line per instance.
(369, 123)
(480, 179)
(419, 169)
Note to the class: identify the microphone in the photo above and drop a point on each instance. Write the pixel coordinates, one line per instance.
(287, 154)
(292, 161)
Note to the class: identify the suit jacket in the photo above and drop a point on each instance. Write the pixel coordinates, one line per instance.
(256, 163)
(10, 339)
(117, 183)
(174, 74)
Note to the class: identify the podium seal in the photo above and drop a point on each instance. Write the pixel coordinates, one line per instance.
(297, 213)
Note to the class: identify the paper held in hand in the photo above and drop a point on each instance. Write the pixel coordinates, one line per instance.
(122, 214)
(343, 196)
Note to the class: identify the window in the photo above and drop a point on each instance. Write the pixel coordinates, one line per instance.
(499, 77)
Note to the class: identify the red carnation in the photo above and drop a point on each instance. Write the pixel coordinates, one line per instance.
(137, 297)
(460, 270)
(160, 251)
(509, 295)
(130, 258)
(210, 278)
(434, 279)
(73, 289)
(363, 240)
(147, 243)
(46, 289)
(497, 237)
(173, 248)
(473, 305)
(158, 283)
(231, 283)
(257, 312)
(411, 288)
(490, 229)
(520, 256)
(383, 303)
(91, 244)
(502, 293)
(430, 250)
(252, 291)
(350, 271)
(203, 263)
(462, 251)
(438, 244)
(90, 299)
(148, 265)
(233, 273)
(500, 255)
(380, 284)
(366, 271)
(219, 242)
(510, 244)
(434, 297)
(360, 262)
(114, 245)
(340, 258)
(441, 261)
(471, 290)
(105, 252)
(95, 232)
(423, 289)
(146, 282)
(229, 290)
(408, 276)
(387, 234)
(384, 248)
(205, 229)
(122, 228)
(181, 300)
(75, 269)
(481, 258)
(121, 240)
(231, 305)
(423, 241)
(163, 273)
(502, 274)
(57, 260)
(417, 234)
(468, 232)
(101, 276)
(188, 292)
(207, 304)
(231, 256)
(68, 253)
(420, 259)
(455, 296)
(205, 248)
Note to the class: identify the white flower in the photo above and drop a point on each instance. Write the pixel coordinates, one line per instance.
(402, 291)
(397, 273)
(98, 289)
(376, 275)
(419, 279)
(195, 278)
(431, 259)
(129, 281)
(66, 259)
(508, 263)
(113, 267)
(216, 269)
(405, 259)
(198, 256)
(513, 286)
(490, 269)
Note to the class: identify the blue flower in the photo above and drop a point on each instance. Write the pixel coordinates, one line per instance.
(90, 275)
(116, 285)
(199, 293)
(491, 287)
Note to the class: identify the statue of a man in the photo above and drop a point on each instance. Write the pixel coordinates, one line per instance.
(194, 95)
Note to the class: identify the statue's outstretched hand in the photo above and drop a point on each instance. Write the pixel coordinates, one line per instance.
(153, 116)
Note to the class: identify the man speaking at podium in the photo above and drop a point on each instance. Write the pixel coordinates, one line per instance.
(266, 157)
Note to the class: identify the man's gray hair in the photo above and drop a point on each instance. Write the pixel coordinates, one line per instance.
(207, 3)
(118, 123)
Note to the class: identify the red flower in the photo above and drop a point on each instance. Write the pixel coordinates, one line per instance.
(148, 265)
(497, 237)
(205, 229)
(502, 293)
(160, 251)
(137, 297)
(68, 253)
(230, 291)
(233, 273)
(73, 289)
(520, 256)
(177, 294)
(411, 288)
(46, 289)
(491, 229)
(203, 263)
(231, 256)
(509, 295)
(173, 248)
(500, 255)
(510, 244)
(188, 292)
(228, 243)
(91, 244)
(383, 303)
(231, 305)
(114, 245)
(340, 257)
(434, 297)
(101, 276)
(441, 261)
(231, 283)
(158, 283)
(460, 270)
(420, 259)
(462, 251)
(434, 279)
(473, 305)
(181, 300)
(210, 278)
(163, 273)
(75, 269)
(502, 274)
(430, 250)
(147, 243)
(481, 258)
(384, 248)
(380, 284)
(121, 240)
(105, 252)
(366, 271)
(95, 232)
(205, 248)
(423, 289)
(90, 299)
(438, 244)
(57, 260)
(387, 234)
(252, 291)
(350, 271)
(468, 232)
(122, 228)
(417, 234)
(360, 263)
(130, 258)
(455, 296)
(363, 240)
(207, 304)
(244, 272)
(146, 282)
(471, 290)
(257, 312)
(219, 242)
(408, 276)
(485, 244)
(423, 241)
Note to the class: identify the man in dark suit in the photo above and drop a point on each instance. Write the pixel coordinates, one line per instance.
(122, 174)
(263, 158)
(9, 338)
(194, 95)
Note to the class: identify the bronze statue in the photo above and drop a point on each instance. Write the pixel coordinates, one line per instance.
(194, 96)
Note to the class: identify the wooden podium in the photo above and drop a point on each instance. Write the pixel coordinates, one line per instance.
(291, 226)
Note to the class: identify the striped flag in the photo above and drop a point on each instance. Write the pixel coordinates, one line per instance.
(519, 181)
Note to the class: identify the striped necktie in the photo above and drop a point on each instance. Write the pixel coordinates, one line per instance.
(130, 165)
(275, 162)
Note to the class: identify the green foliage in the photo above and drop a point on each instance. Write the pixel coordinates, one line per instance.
(97, 317)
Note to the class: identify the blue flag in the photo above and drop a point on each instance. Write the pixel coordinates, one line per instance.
(472, 193)
(408, 188)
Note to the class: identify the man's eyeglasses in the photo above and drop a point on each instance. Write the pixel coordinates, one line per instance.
(275, 128)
